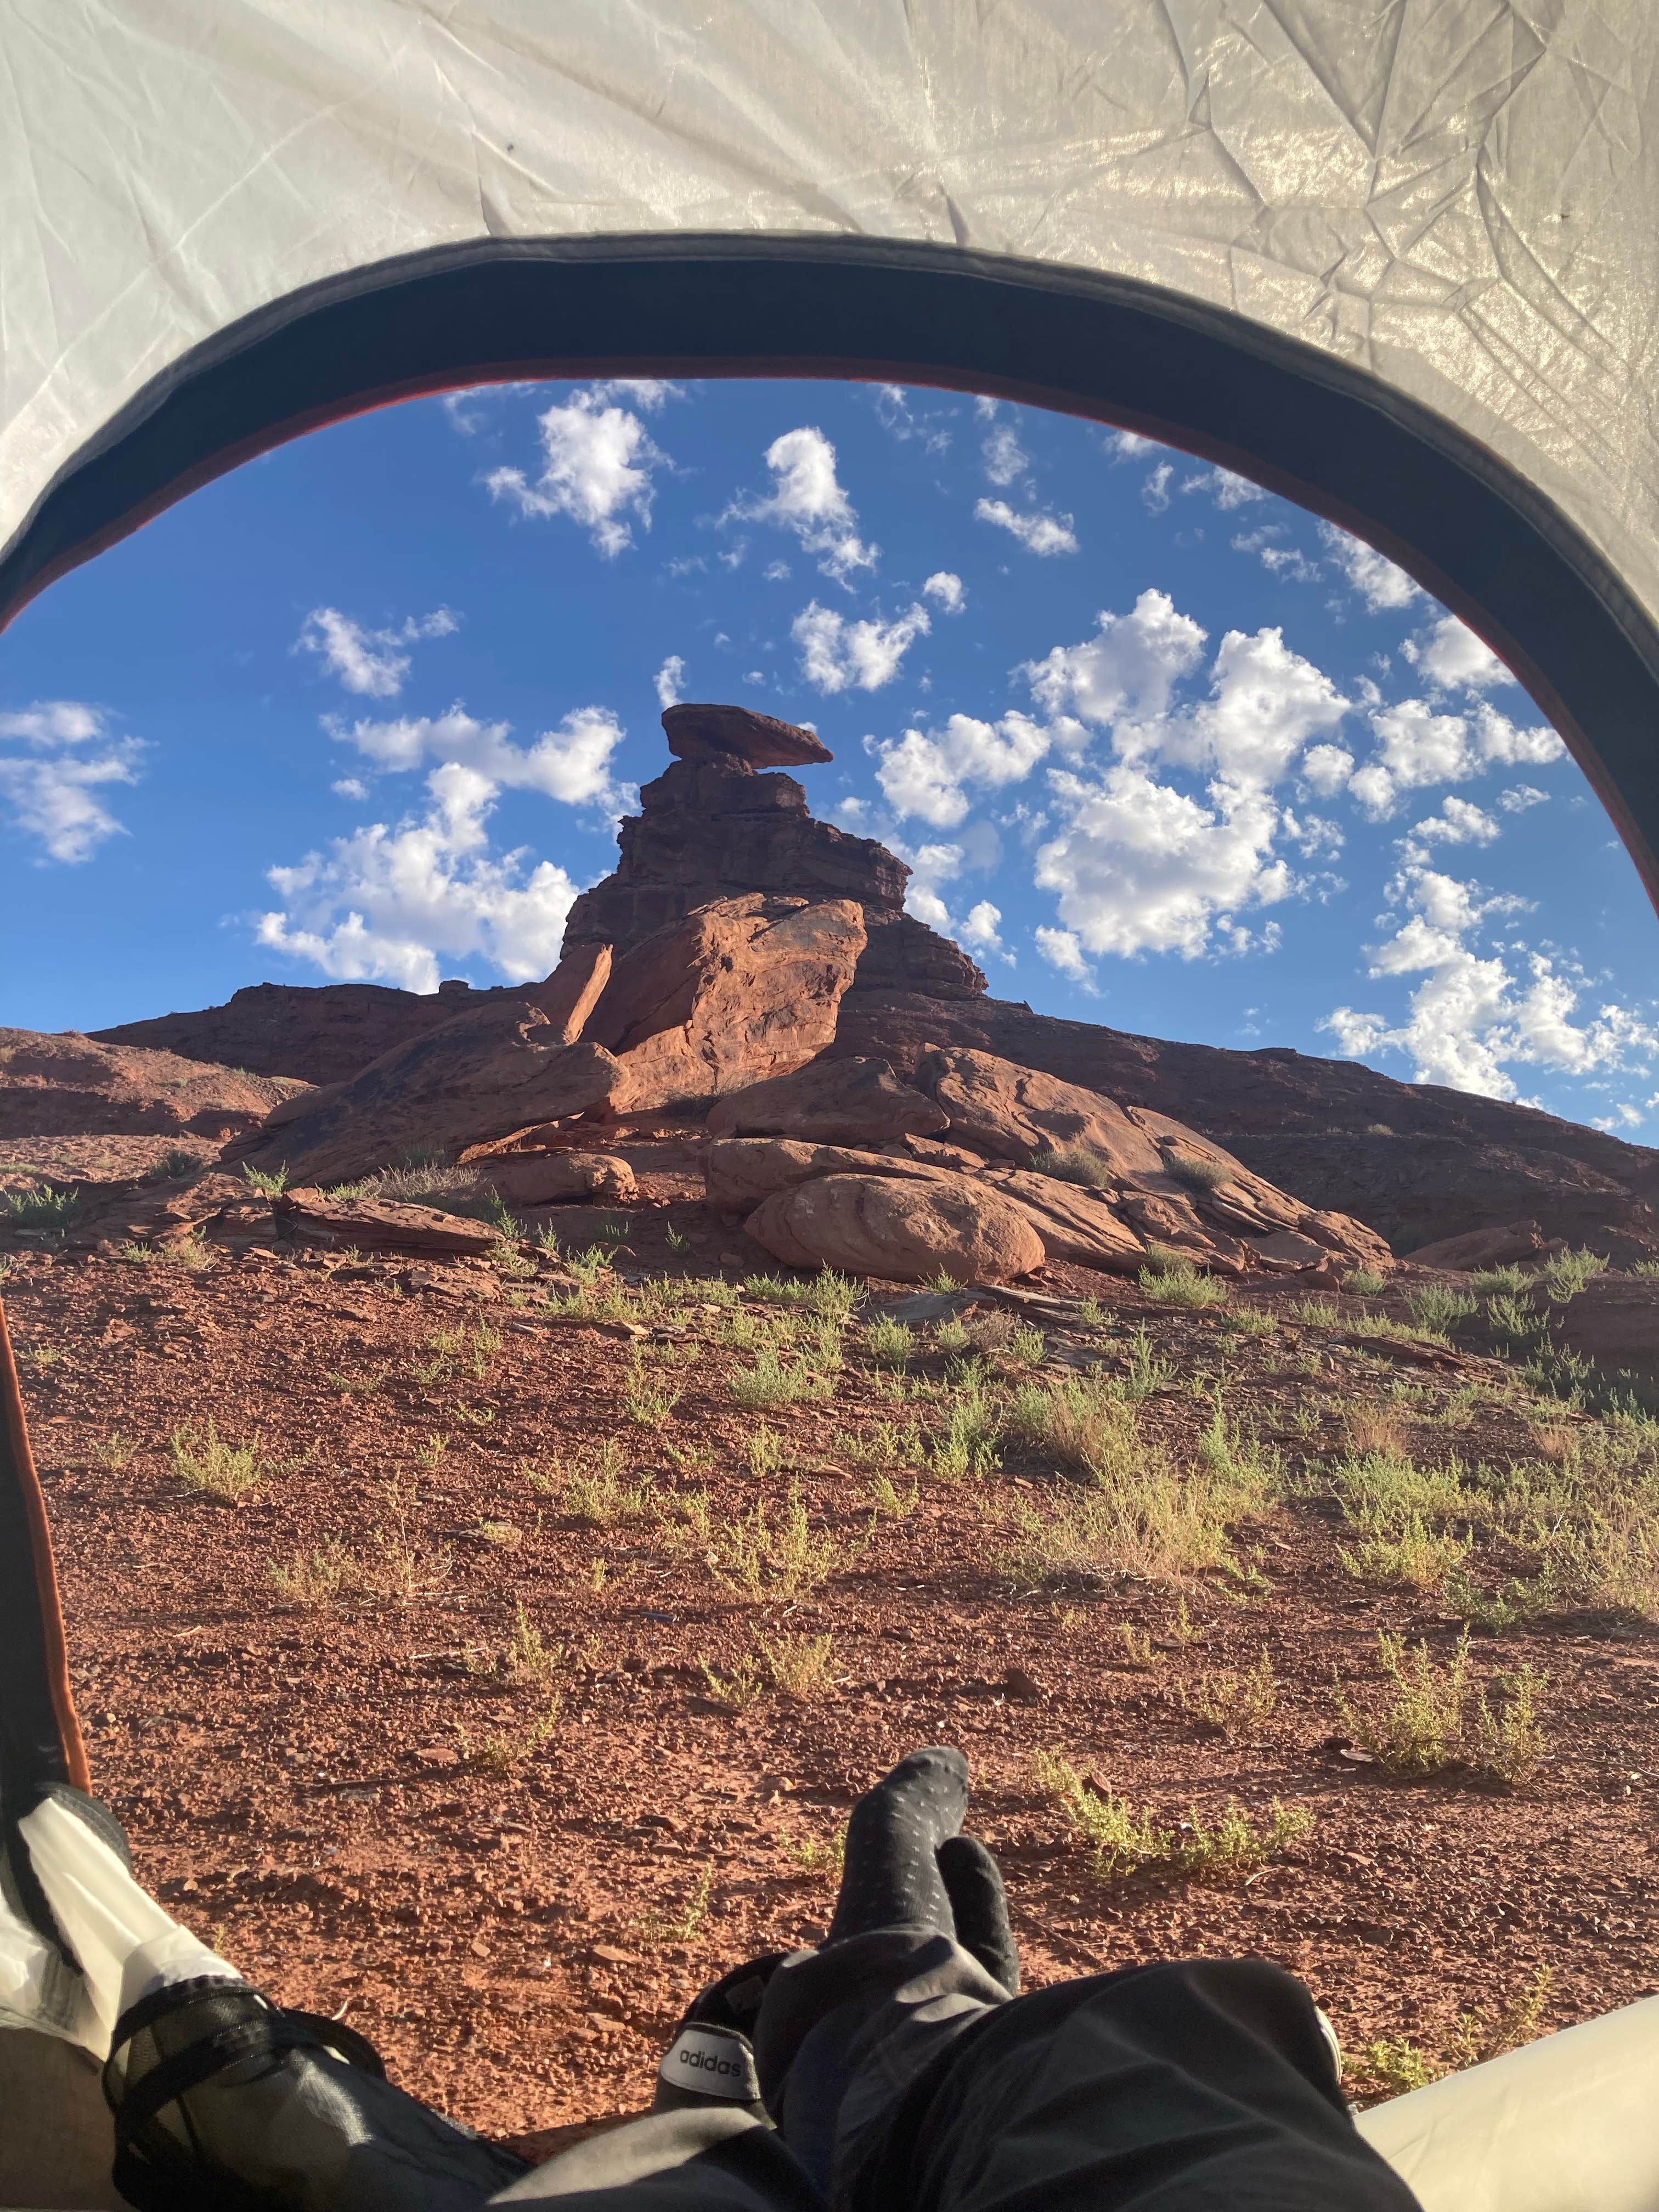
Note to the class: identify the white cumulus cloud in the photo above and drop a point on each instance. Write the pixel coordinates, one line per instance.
(51, 789)
(1279, 559)
(1459, 821)
(1417, 744)
(1227, 490)
(1005, 457)
(1139, 863)
(1325, 769)
(1061, 949)
(1380, 583)
(1451, 657)
(572, 763)
(926, 773)
(1127, 673)
(1475, 1014)
(1043, 533)
(837, 655)
(1155, 491)
(930, 866)
(597, 463)
(1140, 866)
(369, 661)
(383, 904)
(670, 677)
(808, 499)
(948, 590)
(982, 926)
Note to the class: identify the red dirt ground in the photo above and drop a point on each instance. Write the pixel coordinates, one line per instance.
(307, 1787)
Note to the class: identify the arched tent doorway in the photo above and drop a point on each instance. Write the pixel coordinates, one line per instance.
(1385, 267)
(1382, 260)
(1317, 431)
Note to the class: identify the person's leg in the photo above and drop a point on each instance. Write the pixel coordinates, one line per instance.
(718, 2159)
(1205, 2086)
(1187, 2088)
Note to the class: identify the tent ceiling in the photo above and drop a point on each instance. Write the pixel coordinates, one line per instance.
(1391, 256)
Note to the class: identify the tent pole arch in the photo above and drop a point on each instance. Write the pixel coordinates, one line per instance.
(1331, 438)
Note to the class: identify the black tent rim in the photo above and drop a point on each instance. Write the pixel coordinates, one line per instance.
(41, 1740)
(1295, 419)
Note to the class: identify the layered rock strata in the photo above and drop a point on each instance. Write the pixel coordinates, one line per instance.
(1091, 1181)
(70, 1085)
(318, 1033)
(711, 827)
(1420, 1162)
(734, 994)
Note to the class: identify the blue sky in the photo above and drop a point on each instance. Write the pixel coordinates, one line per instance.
(1164, 751)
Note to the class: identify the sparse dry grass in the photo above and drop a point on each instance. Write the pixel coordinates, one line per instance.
(774, 1555)
(1087, 1423)
(1371, 1429)
(1172, 1277)
(600, 1494)
(1429, 1718)
(205, 1461)
(1232, 1702)
(506, 1749)
(1125, 1840)
(770, 1381)
(318, 1576)
(1079, 1163)
(799, 1665)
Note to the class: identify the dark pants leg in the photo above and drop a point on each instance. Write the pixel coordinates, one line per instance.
(1202, 2087)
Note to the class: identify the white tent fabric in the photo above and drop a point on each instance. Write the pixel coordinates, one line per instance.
(1458, 199)
(1451, 201)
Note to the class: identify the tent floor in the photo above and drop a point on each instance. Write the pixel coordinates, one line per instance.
(56, 2142)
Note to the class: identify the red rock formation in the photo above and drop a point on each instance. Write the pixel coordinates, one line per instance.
(486, 1072)
(830, 1101)
(70, 1085)
(710, 827)
(732, 994)
(1416, 1160)
(725, 734)
(321, 1033)
(1150, 1182)
(899, 1230)
(1419, 1162)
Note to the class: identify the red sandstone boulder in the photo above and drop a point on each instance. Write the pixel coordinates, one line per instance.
(1016, 1113)
(729, 734)
(1483, 1247)
(1170, 1185)
(955, 1156)
(382, 1225)
(1074, 1222)
(557, 1178)
(498, 1068)
(899, 1230)
(738, 1172)
(148, 1217)
(741, 990)
(829, 1102)
(574, 989)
